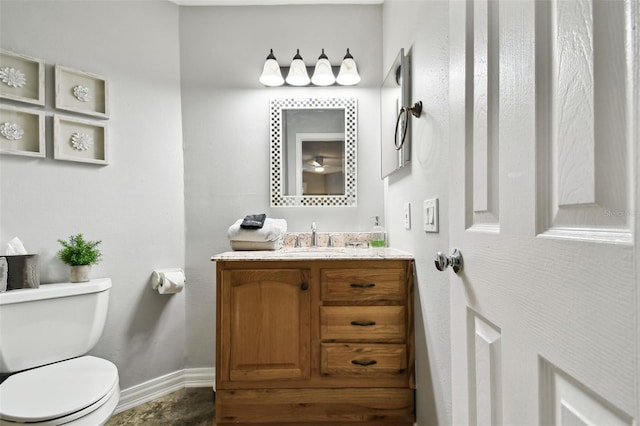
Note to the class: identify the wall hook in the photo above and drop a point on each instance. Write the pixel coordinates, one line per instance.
(416, 109)
(403, 116)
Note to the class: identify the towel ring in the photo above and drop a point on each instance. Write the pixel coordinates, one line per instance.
(415, 110)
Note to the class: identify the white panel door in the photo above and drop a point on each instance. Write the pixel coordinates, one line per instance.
(543, 187)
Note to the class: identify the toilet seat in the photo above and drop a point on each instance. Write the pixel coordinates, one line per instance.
(69, 389)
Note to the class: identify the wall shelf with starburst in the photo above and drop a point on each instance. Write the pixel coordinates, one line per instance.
(81, 92)
(22, 132)
(21, 78)
(75, 139)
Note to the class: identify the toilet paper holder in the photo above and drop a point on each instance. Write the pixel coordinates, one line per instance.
(159, 279)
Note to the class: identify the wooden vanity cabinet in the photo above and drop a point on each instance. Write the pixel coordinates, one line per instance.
(315, 342)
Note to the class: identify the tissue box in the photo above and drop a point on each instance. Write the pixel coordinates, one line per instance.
(23, 271)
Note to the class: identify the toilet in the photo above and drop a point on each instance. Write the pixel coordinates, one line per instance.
(45, 333)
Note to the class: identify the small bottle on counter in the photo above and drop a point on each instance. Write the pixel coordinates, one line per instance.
(377, 234)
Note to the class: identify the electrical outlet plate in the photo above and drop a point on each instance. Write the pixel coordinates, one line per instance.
(430, 216)
(407, 216)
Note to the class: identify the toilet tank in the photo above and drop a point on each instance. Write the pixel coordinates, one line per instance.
(51, 323)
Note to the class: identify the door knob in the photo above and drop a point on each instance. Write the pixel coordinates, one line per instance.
(455, 261)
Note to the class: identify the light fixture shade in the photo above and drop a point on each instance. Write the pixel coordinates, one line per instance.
(348, 75)
(298, 72)
(271, 74)
(323, 74)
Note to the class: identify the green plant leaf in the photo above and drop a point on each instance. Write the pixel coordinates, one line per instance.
(78, 251)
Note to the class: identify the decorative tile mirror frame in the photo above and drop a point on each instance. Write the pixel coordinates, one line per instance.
(278, 152)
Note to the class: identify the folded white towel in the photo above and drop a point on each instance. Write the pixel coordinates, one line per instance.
(257, 245)
(272, 230)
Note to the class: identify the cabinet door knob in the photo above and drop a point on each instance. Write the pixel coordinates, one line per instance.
(304, 286)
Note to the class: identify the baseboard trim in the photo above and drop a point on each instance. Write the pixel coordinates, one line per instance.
(199, 377)
(164, 385)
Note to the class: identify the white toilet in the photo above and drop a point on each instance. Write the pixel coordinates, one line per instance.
(43, 334)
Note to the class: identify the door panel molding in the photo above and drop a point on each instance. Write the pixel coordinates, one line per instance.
(484, 357)
(566, 401)
(482, 143)
(572, 102)
(583, 139)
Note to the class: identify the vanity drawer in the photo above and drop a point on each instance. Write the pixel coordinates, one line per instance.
(362, 359)
(371, 323)
(363, 285)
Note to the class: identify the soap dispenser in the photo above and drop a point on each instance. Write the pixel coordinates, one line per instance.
(377, 233)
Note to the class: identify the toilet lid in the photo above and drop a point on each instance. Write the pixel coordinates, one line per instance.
(56, 390)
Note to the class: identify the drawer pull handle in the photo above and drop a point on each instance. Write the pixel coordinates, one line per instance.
(304, 286)
(362, 285)
(363, 323)
(364, 363)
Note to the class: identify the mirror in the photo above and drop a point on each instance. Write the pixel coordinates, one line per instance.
(313, 152)
(395, 138)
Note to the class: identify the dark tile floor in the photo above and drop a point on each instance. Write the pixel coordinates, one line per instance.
(188, 406)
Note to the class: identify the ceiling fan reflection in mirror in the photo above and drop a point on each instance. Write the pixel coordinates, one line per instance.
(324, 165)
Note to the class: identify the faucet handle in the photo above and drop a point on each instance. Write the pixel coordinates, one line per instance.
(297, 243)
(314, 235)
(330, 242)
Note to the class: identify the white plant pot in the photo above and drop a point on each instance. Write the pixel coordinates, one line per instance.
(80, 273)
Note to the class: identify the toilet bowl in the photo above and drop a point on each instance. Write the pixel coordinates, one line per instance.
(45, 334)
(79, 391)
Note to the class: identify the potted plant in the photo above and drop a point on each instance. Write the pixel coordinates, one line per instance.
(80, 255)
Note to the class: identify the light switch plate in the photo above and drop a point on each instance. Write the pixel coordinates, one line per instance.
(407, 216)
(430, 216)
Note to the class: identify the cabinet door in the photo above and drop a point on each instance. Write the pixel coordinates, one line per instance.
(265, 323)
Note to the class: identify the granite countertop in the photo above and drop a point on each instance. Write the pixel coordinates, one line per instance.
(347, 246)
(316, 253)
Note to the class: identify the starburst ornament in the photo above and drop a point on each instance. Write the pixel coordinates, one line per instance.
(81, 141)
(11, 131)
(12, 77)
(82, 93)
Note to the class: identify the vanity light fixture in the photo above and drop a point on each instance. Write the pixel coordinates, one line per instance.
(298, 72)
(271, 74)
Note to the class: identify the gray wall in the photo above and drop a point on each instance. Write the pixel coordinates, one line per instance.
(135, 204)
(226, 128)
(421, 28)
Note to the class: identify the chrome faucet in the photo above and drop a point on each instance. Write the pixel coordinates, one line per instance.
(314, 235)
